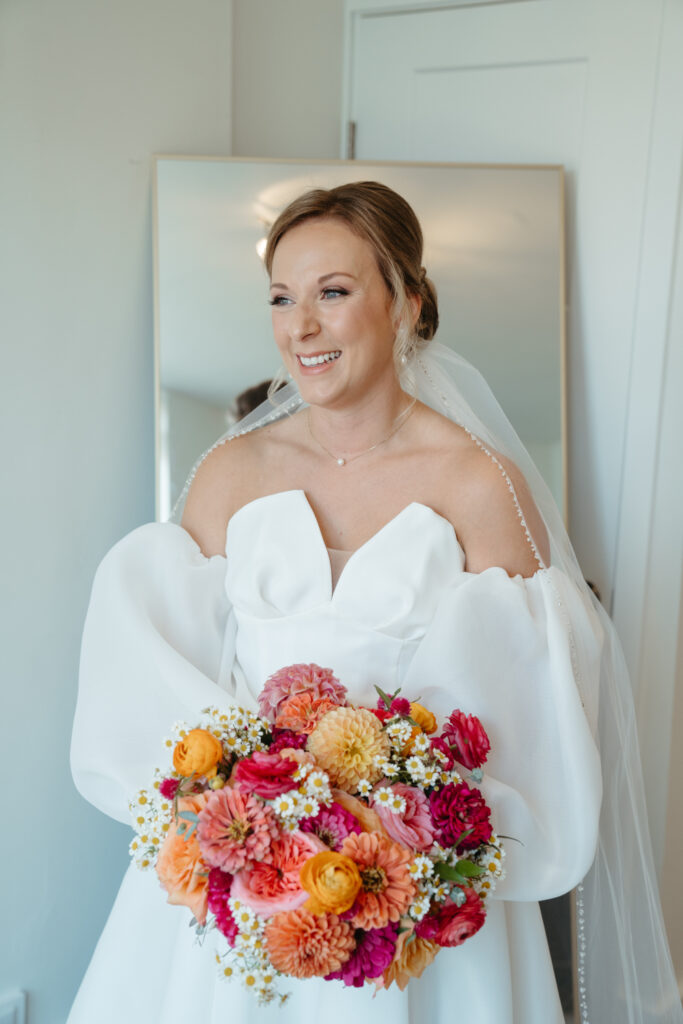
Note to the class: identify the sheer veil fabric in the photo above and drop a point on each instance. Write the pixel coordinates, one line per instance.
(625, 971)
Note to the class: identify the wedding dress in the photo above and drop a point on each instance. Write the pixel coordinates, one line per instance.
(169, 632)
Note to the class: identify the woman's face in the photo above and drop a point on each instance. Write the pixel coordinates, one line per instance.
(331, 313)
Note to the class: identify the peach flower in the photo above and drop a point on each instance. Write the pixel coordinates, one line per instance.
(276, 886)
(412, 956)
(198, 754)
(236, 828)
(302, 712)
(307, 945)
(368, 819)
(180, 867)
(345, 743)
(387, 888)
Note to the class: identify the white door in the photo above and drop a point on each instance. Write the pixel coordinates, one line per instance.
(594, 85)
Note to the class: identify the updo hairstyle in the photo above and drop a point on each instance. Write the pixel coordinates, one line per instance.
(383, 218)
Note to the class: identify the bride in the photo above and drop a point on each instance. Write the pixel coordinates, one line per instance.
(374, 518)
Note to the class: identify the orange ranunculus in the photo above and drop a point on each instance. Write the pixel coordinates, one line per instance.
(368, 819)
(180, 867)
(424, 718)
(198, 754)
(332, 881)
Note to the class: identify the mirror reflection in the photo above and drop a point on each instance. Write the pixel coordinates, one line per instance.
(493, 247)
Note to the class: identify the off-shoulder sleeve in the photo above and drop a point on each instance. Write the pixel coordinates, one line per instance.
(158, 646)
(524, 655)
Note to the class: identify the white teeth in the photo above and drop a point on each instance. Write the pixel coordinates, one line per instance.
(315, 360)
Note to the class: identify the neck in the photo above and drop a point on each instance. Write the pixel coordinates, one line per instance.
(353, 429)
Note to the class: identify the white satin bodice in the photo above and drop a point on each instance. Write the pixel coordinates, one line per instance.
(280, 585)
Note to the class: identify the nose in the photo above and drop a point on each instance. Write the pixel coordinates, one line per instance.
(303, 322)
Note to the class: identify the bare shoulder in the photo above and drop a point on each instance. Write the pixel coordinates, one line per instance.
(491, 528)
(231, 475)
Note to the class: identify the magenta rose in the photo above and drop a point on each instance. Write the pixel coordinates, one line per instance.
(456, 809)
(219, 894)
(467, 739)
(451, 924)
(266, 775)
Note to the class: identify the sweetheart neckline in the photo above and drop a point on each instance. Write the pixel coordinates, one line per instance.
(352, 555)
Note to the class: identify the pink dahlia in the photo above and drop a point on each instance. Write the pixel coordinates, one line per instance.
(219, 894)
(451, 924)
(467, 739)
(373, 953)
(234, 829)
(294, 679)
(412, 827)
(267, 775)
(456, 809)
(302, 712)
(331, 825)
(275, 887)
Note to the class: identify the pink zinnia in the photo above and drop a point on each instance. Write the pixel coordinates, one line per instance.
(168, 788)
(267, 775)
(294, 679)
(274, 887)
(332, 825)
(413, 827)
(234, 829)
(219, 894)
(373, 953)
(467, 739)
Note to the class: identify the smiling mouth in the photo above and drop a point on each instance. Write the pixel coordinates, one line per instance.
(324, 357)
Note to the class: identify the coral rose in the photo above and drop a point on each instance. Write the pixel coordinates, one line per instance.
(267, 775)
(198, 754)
(332, 881)
(293, 679)
(276, 886)
(413, 954)
(180, 867)
(412, 827)
(308, 945)
(235, 828)
(387, 888)
(345, 743)
(467, 739)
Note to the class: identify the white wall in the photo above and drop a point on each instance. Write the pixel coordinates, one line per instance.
(88, 90)
(287, 84)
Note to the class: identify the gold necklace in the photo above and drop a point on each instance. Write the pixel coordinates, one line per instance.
(398, 423)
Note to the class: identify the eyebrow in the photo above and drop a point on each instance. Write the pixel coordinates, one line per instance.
(325, 277)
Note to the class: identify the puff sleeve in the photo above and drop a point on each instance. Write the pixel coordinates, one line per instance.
(524, 655)
(157, 647)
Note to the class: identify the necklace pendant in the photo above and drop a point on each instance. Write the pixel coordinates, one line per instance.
(341, 462)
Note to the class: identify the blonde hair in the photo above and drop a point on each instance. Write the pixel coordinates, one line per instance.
(388, 223)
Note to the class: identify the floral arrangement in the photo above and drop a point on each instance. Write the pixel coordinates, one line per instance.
(320, 839)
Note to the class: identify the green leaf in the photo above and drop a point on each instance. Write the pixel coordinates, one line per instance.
(385, 697)
(463, 835)
(469, 869)
(448, 873)
(188, 815)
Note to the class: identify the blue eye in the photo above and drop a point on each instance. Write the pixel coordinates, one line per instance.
(334, 291)
(278, 300)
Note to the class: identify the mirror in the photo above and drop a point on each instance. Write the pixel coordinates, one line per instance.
(494, 247)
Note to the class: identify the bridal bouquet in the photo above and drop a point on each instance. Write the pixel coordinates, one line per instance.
(321, 839)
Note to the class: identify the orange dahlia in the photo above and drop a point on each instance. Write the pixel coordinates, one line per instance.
(387, 888)
(308, 945)
(345, 743)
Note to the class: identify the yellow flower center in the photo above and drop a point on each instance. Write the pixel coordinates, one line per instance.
(238, 830)
(373, 879)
